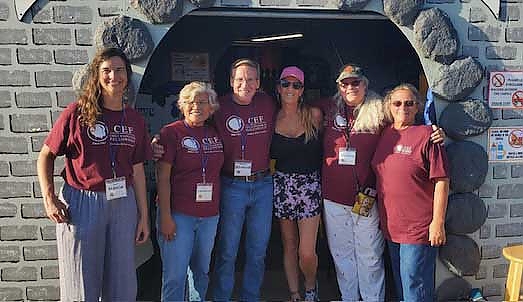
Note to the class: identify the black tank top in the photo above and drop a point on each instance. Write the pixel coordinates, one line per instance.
(293, 155)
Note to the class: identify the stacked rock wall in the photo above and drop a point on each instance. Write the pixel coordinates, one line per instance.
(43, 54)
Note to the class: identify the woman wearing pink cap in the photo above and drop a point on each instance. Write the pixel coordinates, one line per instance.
(296, 146)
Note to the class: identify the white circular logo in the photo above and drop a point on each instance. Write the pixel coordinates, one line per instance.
(190, 143)
(98, 133)
(340, 121)
(234, 124)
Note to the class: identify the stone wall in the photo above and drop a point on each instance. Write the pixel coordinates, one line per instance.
(40, 55)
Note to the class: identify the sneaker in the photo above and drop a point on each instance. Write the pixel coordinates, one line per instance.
(312, 294)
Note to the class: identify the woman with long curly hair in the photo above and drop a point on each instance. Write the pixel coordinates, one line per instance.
(101, 210)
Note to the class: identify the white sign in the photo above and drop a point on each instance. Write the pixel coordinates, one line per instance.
(506, 89)
(188, 67)
(505, 144)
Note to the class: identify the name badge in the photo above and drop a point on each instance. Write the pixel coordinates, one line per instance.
(347, 156)
(203, 192)
(242, 168)
(115, 188)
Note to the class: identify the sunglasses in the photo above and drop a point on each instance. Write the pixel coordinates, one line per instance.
(295, 85)
(408, 103)
(353, 83)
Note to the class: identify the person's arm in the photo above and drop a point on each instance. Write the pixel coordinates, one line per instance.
(163, 182)
(317, 117)
(158, 149)
(142, 229)
(437, 234)
(54, 208)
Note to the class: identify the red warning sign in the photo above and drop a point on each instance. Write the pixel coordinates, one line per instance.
(506, 89)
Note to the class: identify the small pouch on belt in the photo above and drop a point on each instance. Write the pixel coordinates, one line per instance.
(364, 202)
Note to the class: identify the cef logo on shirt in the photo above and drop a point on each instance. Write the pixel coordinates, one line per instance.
(402, 149)
(190, 144)
(234, 124)
(99, 133)
(340, 122)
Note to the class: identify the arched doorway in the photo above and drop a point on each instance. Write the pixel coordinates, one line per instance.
(202, 45)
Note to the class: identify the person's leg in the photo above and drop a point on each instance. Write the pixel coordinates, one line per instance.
(120, 274)
(417, 266)
(289, 237)
(308, 259)
(201, 256)
(234, 198)
(369, 255)
(394, 254)
(81, 245)
(176, 254)
(258, 222)
(340, 236)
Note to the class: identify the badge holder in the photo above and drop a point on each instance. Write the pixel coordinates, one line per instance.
(203, 192)
(242, 168)
(364, 202)
(115, 188)
(347, 156)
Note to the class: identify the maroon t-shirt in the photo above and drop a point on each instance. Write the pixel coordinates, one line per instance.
(339, 181)
(253, 124)
(182, 146)
(406, 164)
(87, 149)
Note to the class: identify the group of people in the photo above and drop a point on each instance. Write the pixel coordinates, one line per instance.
(358, 160)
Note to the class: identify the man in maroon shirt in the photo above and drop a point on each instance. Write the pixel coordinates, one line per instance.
(245, 123)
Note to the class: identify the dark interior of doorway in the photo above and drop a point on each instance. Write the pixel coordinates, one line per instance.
(329, 41)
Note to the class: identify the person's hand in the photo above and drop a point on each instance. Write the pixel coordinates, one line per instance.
(56, 210)
(438, 135)
(437, 234)
(167, 227)
(158, 150)
(142, 230)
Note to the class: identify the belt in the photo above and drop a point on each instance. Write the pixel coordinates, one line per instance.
(251, 178)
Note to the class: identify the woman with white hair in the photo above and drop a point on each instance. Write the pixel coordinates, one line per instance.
(188, 182)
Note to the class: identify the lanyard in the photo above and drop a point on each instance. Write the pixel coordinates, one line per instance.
(204, 157)
(113, 150)
(243, 133)
(349, 116)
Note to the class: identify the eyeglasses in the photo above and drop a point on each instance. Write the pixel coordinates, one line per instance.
(197, 103)
(295, 85)
(407, 103)
(353, 83)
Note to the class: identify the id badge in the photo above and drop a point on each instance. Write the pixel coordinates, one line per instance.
(203, 192)
(115, 188)
(347, 156)
(363, 204)
(242, 168)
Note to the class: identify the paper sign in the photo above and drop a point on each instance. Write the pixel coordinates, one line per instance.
(506, 89)
(505, 144)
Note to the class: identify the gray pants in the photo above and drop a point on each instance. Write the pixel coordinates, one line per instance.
(96, 247)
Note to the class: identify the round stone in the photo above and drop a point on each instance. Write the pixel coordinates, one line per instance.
(460, 255)
(203, 3)
(159, 11)
(128, 34)
(453, 289)
(435, 36)
(468, 166)
(466, 213)
(402, 12)
(464, 119)
(352, 5)
(456, 81)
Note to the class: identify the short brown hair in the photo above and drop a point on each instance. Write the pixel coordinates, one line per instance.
(246, 62)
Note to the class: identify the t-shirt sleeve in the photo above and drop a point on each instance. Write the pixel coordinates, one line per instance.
(168, 141)
(143, 149)
(56, 140)
(438, 161)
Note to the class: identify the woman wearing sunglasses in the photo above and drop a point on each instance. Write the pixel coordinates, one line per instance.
(412, 184)
(296, 146)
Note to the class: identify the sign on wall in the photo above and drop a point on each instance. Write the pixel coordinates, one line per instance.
(505, 144)
(186, 67)
(506, 89)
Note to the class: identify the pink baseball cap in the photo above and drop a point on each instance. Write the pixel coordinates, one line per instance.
(293, 71)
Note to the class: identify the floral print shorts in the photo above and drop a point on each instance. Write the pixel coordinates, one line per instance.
(297, 196)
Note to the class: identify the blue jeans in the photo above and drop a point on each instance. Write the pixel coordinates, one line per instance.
(192, 248)
(413, 267)
(249, 202)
